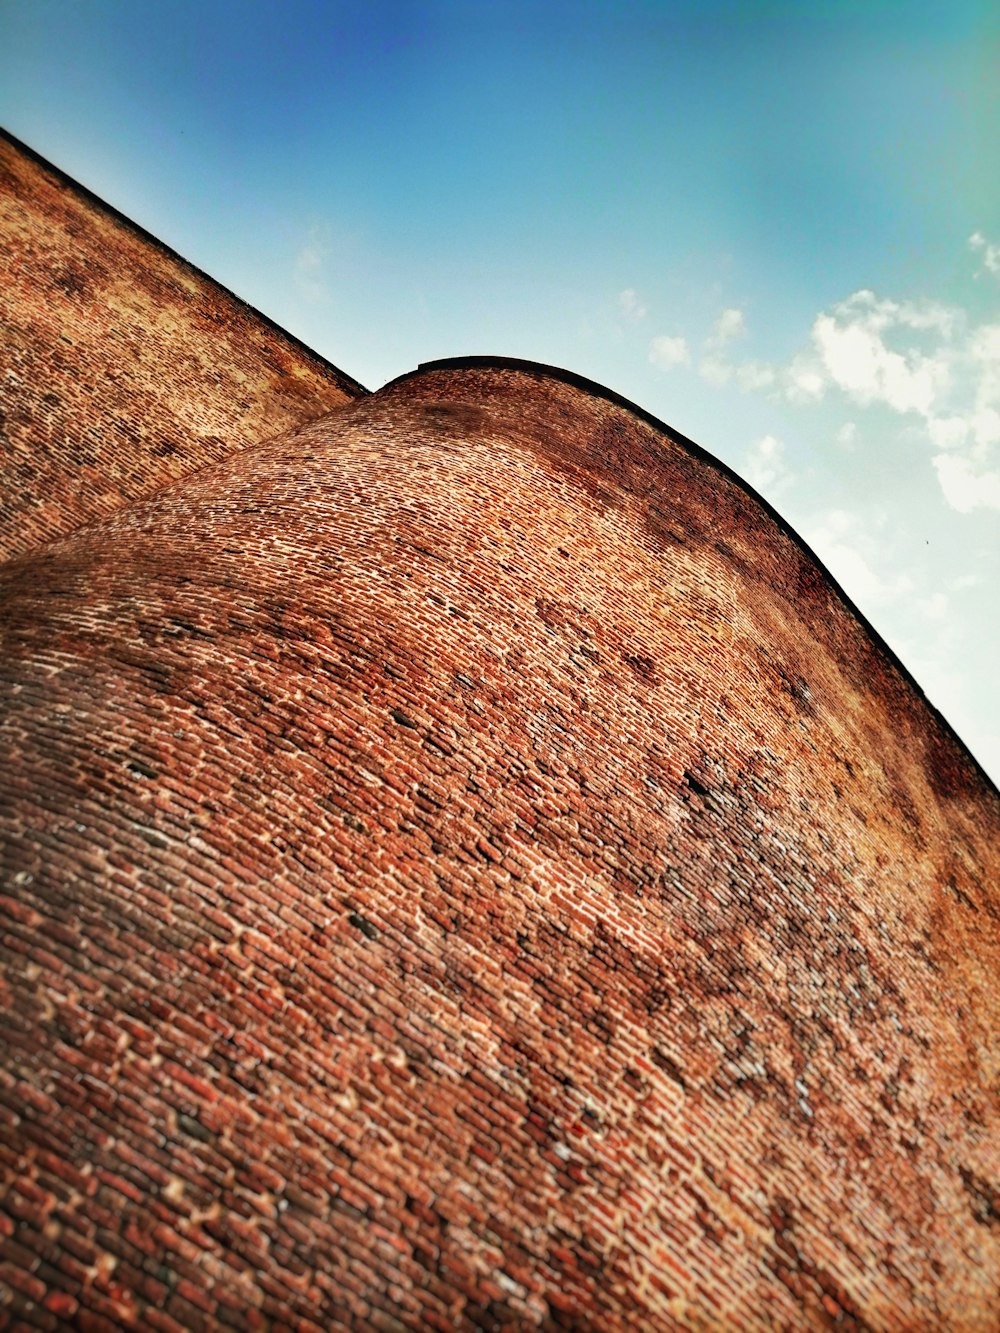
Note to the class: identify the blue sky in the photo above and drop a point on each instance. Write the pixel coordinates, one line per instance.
(776, 226)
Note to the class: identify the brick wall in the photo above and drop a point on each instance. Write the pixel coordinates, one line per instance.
(467, 869)
(121, 365)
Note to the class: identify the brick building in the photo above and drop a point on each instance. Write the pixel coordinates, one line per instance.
(465, 863)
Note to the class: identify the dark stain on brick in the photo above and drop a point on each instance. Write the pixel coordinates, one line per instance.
(641, 664)
(360, 923)
(696, 785)
(984, 1197)
(670, 1066)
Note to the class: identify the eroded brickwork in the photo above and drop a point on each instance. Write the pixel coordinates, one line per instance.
(467, 869)
(122, 366)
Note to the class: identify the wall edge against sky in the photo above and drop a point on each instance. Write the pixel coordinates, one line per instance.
(347, 383)
(540, 370)
(355, 390)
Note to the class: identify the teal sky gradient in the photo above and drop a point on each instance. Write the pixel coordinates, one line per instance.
(397, 182)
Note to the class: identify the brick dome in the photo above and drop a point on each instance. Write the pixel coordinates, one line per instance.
(467, 867)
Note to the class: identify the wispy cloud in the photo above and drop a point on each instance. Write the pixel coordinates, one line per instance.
(310, 265)
(728, 326)
(714, 365)
(856, 558)
(715, 369)
(754, 376)
(766, 469)
(847, 436)
(631, 305)
(668, 352)
(990, 253)
(921, 615)
(964, 487)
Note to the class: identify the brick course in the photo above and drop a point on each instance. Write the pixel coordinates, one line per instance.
(468, 868)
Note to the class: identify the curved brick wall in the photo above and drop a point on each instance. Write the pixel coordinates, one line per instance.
(122, 366)
(467, 868)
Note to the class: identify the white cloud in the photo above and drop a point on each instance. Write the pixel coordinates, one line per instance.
(753, 376)
(984, 354)
(847, 435)
(713, 366)
(855, 356)
(856, 559)
(965, 581)
(986, 427)
(804, 381)
(715, 370)
(947, 432)
(965, 488)
(728, 326)
(765, 469)
(919, 359)
(936, 606)
(854, 347)
(310, 263)
(668, 352)
(985, 346)
(631, 305)
(990, 253)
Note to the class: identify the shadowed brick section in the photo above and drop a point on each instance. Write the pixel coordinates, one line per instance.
(122, 367)
(467, 869)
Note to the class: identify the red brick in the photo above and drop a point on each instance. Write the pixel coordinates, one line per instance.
(613, 1010)
(62, 1304)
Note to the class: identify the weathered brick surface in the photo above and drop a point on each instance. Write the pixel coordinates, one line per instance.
(466, 868)
(122, 366)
